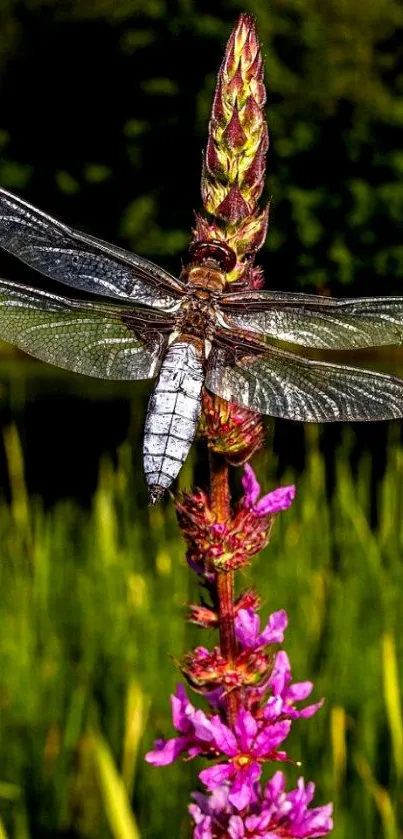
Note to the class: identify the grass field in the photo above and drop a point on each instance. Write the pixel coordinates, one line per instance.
(91, 613)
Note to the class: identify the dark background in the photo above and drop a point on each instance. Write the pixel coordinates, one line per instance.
(104, 106)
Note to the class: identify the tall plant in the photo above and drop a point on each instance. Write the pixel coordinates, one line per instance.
(246, 680)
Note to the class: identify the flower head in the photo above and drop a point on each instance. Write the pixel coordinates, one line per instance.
(229, 544)
(272, 813)
(247, 747)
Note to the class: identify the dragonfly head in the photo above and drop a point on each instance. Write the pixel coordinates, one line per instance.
(213, 252)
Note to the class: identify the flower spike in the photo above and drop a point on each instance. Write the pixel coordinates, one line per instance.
(234, 161)
(245, 679)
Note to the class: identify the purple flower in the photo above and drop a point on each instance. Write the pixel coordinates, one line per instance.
(290, 810)
(247, 628)
(210, 811)
(194, 726)
(247, 747)
(273, 502)
(285, 694)
(271, 814)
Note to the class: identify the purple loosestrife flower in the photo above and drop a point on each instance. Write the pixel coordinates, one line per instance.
(247, 628)
(280, 684)
(271, 503)
(227, 545)
(264, 721)
(283, 694)
(244, 681)
(273, 813)
(246, 748)
(194, 727)
(249, 746)
(211, 813)
(206, 670)
(291, 809)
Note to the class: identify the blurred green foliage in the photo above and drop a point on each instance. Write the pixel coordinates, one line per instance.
(93, 608)
(104, 112)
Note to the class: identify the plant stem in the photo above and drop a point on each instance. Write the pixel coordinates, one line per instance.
(220, 503)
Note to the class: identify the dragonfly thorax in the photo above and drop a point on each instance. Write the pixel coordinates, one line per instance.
(196, 316)
(208, 276)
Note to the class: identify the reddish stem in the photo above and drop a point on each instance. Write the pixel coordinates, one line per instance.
(220, 502)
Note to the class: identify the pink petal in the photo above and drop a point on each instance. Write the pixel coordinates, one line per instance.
(273, 632)
(202, 726)
(223, 737)
(299, 691)
(236, 828)
(318, 821)
(204, 829)
(271, 737)
(310, 710)
(250, 485)
(181, 710)
(241, 791)
(247, 625)
(275, 786)
(274, 502)
(245, 729)
(196, 813)
(167, 752)
(273, 708)
(214, 776)
(281, 675)
(304, 792)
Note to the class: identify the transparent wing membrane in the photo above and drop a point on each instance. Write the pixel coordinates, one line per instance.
(285, 385)
(81, 261)
(313, 321)
(88, 338)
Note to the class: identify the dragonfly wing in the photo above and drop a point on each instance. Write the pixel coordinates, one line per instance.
(81, 261)
(284, 385)
(88, 338)
(314, 321)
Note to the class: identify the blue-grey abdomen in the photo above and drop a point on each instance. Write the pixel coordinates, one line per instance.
(172, 415)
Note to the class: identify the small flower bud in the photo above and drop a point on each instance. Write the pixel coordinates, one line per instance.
(230, 430)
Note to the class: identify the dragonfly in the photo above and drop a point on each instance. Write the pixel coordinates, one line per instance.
(188, 332)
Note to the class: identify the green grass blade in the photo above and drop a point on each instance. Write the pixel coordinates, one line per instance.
(392, 697)
(118, 812)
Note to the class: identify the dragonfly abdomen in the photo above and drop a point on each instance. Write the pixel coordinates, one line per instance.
(172, 415)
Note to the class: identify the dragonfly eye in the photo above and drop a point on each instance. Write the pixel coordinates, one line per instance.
(218, 251)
